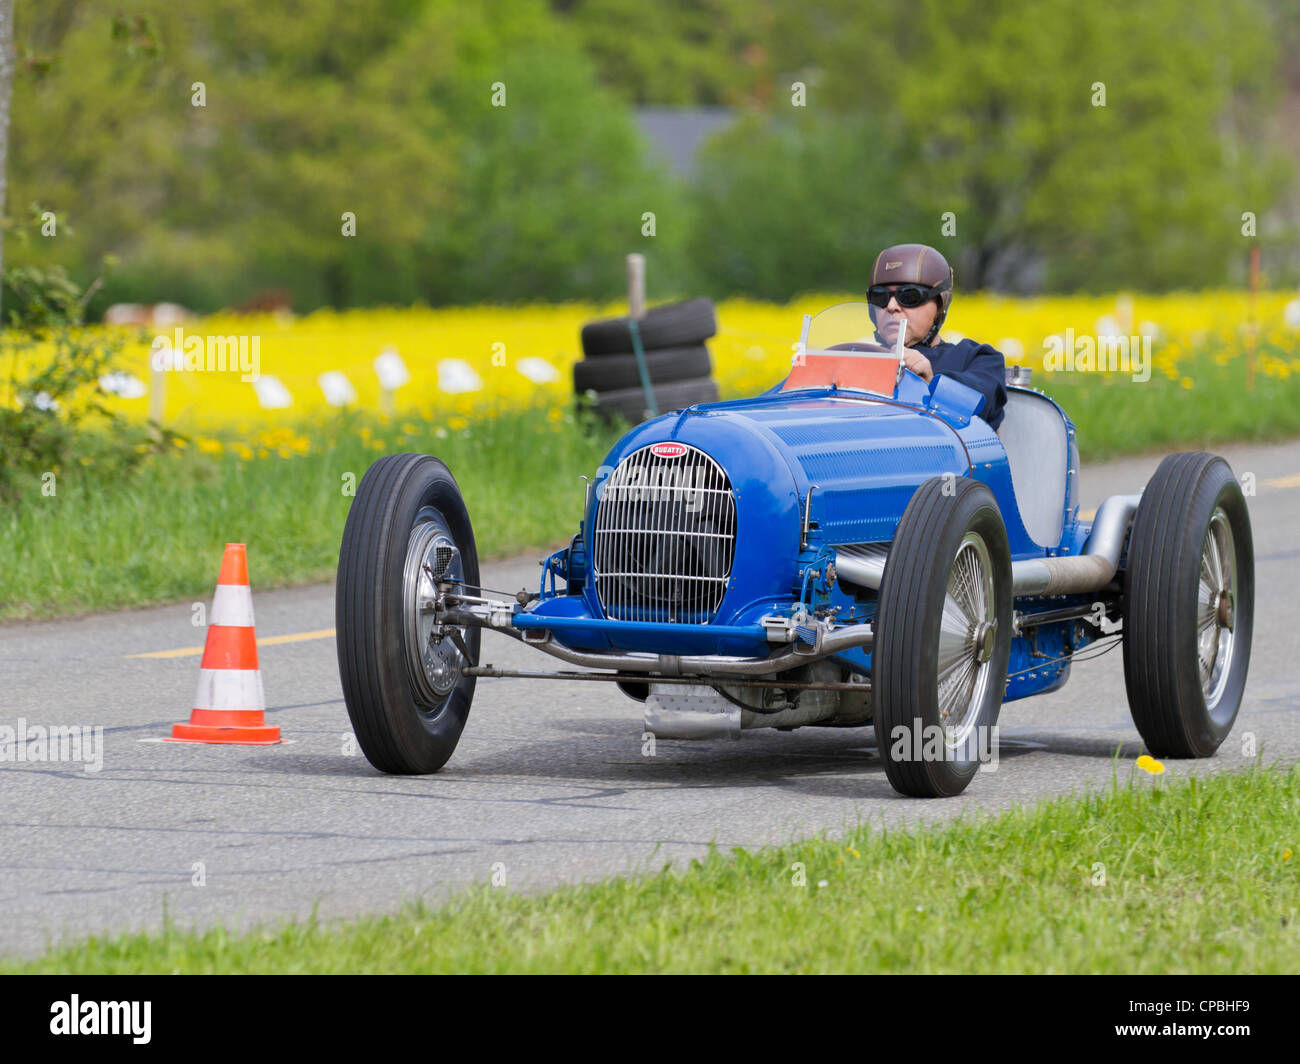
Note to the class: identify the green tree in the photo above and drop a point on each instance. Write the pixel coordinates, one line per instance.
(998, 109)
(221, 161)
(214, 149)
(866, 124)
(674, 52)
(552, 187)
(794, 205)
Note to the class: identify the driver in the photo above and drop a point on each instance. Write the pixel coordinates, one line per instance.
(913, 282)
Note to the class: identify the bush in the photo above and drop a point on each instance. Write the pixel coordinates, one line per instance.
(35, 298)
(55, 371)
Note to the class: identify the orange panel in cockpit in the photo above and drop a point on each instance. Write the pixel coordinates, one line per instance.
(874, 374)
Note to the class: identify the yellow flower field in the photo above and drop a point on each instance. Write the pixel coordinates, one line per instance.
(470, 363)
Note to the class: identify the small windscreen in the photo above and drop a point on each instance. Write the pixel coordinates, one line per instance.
(841, 350)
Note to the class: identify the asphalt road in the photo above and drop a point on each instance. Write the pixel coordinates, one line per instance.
(549, 784)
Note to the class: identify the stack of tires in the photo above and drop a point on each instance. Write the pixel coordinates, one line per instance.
(677, 360)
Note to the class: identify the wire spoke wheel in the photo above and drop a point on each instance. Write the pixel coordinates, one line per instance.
(432, 655)
(943, 638)
(965, 639)
(1189, 597)
(1216, 594)
(403, 673)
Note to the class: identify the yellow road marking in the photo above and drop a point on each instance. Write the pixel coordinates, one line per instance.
(269, 641)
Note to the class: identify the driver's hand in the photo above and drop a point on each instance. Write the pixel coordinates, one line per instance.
(918, 363)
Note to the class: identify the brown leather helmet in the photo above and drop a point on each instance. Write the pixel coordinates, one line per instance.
(916, 264)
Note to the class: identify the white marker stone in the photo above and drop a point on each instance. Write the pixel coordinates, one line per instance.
(124, 385)
(1108, 326)
(1012, 348)
(337, 388)
(456, 375)
(391, 370)
(537, 370)
(272, 394)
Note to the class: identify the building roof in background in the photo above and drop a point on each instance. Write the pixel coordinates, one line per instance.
(676, 133)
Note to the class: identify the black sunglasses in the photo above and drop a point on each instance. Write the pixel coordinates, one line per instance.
(908, 295)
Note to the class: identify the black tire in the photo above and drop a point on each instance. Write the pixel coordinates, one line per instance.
(613, 372)
(630, 403)
(1181, 707)
(937, 526)
(403, 724)
(670, 325)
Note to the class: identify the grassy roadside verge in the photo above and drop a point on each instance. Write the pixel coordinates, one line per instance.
(1198, 875)
(157, 535)
(1205, 406)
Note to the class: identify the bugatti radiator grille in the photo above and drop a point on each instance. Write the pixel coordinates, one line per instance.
(665, 536)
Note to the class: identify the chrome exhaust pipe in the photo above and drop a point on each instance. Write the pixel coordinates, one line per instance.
(863, 565)
(1090, 571)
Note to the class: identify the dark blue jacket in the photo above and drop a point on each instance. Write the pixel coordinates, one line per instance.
(977, 366)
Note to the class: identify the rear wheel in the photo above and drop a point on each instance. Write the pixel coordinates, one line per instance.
(402, 677)
(1189, 601)
(942, 638)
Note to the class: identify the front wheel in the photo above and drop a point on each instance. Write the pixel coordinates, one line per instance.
(1189, 603)
(407, 696)
(942, 638)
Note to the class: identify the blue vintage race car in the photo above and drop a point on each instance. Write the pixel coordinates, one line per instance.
(853, 547)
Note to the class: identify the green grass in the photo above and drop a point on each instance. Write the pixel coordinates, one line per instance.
(157, 536)
(1199, 877)
(1117, 416)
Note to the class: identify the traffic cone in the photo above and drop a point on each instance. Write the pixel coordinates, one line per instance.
(230, 706)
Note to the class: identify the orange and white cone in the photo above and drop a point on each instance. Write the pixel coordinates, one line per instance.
(230, 706)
